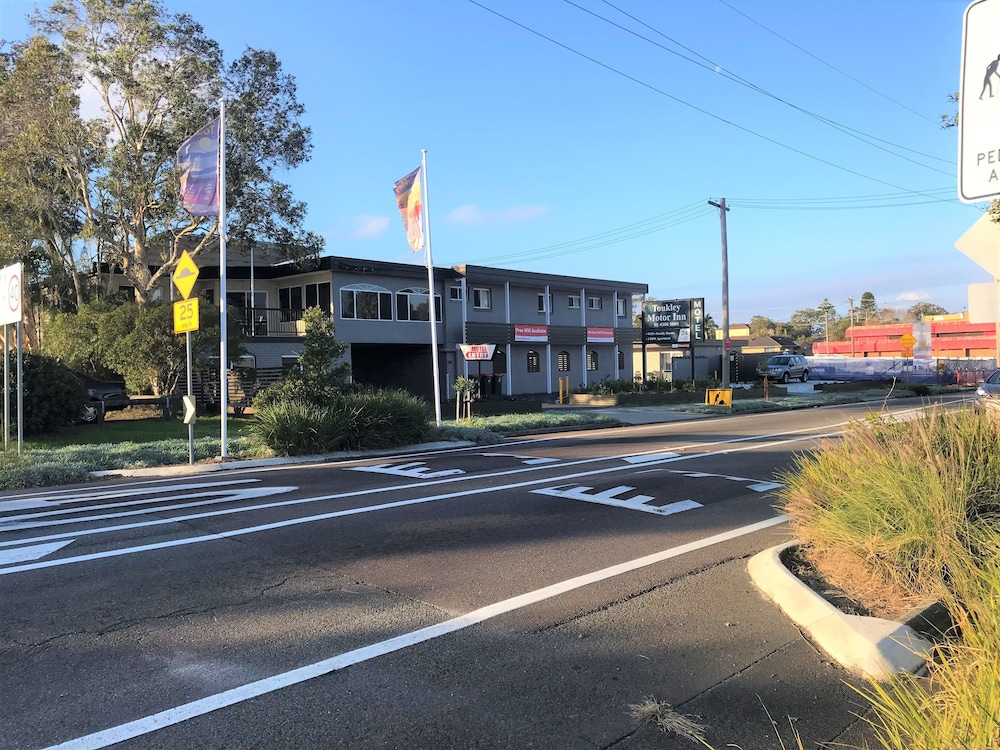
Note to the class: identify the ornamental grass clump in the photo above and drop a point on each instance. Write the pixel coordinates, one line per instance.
(899, 499)
(958, 704)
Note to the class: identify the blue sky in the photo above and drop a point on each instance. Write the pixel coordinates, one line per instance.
(560, 141)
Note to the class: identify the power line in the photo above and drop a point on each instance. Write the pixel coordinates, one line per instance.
(715, 68)
(829, 65)
(694, 107)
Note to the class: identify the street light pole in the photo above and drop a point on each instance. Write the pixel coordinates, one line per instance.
(721, 205)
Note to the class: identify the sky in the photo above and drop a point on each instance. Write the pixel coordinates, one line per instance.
(587, 137)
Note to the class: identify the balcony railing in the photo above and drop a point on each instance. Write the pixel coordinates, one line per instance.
(261, 321)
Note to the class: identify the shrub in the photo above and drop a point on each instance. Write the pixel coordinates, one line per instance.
(360, 420)
(294, 427)
(901, 498)
(52, 396)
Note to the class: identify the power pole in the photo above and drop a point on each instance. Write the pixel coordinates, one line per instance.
(721, 205)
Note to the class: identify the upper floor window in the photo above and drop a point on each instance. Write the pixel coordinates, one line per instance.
(541, 303)
(319, 295)
(622, 306)
(595, 303)
(365, 302)
(455, 293)
(574, 302)
(411, 304)
(481, 299)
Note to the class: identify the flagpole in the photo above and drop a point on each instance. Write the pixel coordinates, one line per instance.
(223, 298)
(430, 292)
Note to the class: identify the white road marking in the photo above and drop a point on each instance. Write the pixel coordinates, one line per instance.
(6, 505)
(612, 497)
(24, 554)
(47, 498)
(187, 711)
(526, 460)
(16, 523)
(414, 469)
(764, 486)
(647, 457)
(333, 514)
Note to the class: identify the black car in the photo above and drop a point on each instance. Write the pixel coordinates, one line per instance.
(104, 395)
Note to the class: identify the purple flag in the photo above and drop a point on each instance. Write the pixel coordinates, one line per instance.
(198, 165)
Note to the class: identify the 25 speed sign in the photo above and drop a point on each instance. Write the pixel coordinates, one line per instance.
(186, 315)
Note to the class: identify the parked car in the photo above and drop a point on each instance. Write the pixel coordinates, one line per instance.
(988, 394)
(785, 367)
(105, 396)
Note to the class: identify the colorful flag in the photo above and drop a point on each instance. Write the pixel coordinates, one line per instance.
(198, 165)
(411, 208)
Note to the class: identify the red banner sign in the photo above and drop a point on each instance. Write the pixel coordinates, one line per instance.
(531, 333)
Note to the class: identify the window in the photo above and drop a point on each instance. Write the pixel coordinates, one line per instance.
(622, 306)
(290, 302)
(562, 361)
(574, 302)
(365, 302)
(534, 364)
(595, 303)
(500, 362)
(621, 360)
(411, 304)
(481, 299)
(319, 295)
(541, 303)
(591, 360)
(455, 293)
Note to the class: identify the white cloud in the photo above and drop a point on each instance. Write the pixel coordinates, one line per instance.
(471, 215)
(912, 296)
(369, 227)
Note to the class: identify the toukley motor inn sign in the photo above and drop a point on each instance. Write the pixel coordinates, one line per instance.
(675, 323)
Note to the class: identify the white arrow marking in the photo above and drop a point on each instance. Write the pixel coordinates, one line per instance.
(25, 554)
(415, 469)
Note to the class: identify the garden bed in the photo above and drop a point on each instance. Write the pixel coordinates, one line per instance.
(658, 398)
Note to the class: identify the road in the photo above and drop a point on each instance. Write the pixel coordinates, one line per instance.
(513, 596)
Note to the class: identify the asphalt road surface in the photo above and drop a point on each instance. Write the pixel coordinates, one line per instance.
(513, 596)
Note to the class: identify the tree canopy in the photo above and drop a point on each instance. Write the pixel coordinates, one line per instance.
(101, 173)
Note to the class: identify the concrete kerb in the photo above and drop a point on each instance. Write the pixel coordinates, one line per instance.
(259, 463)
(869, 647)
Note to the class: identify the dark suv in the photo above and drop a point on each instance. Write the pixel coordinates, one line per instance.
(785, 367)
(105, 396)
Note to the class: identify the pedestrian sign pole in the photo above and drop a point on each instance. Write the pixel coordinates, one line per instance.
(186, 321)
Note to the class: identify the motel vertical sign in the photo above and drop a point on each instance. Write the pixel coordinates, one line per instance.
(979, 103)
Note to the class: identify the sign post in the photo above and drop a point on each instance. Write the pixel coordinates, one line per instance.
(10, 312)
(186, 321)
(978, 122)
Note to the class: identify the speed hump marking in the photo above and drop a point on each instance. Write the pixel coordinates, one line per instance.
(719, 396)
(186, 315)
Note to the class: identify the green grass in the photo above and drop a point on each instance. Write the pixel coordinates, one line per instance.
(138, 430)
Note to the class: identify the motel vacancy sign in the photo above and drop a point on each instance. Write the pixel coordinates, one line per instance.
(979, 104)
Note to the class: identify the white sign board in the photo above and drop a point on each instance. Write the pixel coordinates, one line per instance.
(481, 352)
(979, 103)
(981, 242)
(10, 294)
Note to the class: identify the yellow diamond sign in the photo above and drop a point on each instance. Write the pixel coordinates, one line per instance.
(185, 275)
